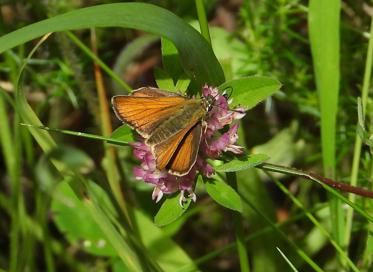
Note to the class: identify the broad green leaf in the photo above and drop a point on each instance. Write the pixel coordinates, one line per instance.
(163, 249)
(164, 80)
(170, 59)
(75, 159)
(249, 91)
(239, 165)
(123, 133)
(73, 219)
(196, 55)
(282, 149)
(223, 194)
(170, 210)
(173, 68)
(182, 84)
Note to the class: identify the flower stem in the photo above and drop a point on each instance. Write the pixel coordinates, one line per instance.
(238, 229)
(358, 141)
(327, 183)
(312, 176)
(203, 24)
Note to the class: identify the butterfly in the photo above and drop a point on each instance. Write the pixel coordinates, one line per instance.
(170, 123)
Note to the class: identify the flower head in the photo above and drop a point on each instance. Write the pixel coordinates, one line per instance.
(212, 145)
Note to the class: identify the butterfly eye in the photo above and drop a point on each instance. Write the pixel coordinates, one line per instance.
(227, 93)
(209, 106)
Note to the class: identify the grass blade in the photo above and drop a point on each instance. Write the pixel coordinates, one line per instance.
(47, 144)
(339, 249)
(323, 19)
(287, 260)
(196, 55)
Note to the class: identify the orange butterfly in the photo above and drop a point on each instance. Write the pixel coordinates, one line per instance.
(170, 123)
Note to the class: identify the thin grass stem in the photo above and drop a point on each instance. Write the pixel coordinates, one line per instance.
(110, 164)
(320, 180)
(339, 249)
(99, 62)
(358, 140)
(213, 254)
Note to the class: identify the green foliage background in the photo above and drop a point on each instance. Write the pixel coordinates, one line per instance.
(71, 203)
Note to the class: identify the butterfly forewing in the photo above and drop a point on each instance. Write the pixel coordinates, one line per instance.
(153, 92)
(145, 113)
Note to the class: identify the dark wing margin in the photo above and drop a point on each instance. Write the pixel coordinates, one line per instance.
(186, 153)
(165, 150)
(153, 92)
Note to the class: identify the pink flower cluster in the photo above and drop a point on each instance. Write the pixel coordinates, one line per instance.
(213, 144)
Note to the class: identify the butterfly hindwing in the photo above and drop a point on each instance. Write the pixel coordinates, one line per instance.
(163, 151)
(185, 155)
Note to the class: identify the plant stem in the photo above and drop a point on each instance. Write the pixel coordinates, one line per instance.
(238, 229)
(11, 150)
(327, 183)
(312, 176)
(298, 250)
(342, 254)
(203, 24)
(358, 141)
(106, 129)
(98, 61)
(80, 134)
(212, 254)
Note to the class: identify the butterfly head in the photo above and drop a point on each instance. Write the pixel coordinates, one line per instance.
(208, 103)
(214, 99)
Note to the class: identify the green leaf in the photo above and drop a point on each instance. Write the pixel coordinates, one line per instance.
(239, 165)
(171, 210)
(324, 34)
(223, 194)
(73, 219)
(75, 159)
(196, 55)
(165, 251)
(46, 142)
(249, 91)
(164, 80)
(182, 84)
(171, 59)
(72, 158)
(230, 51)
(123, 133)
(282, 149)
